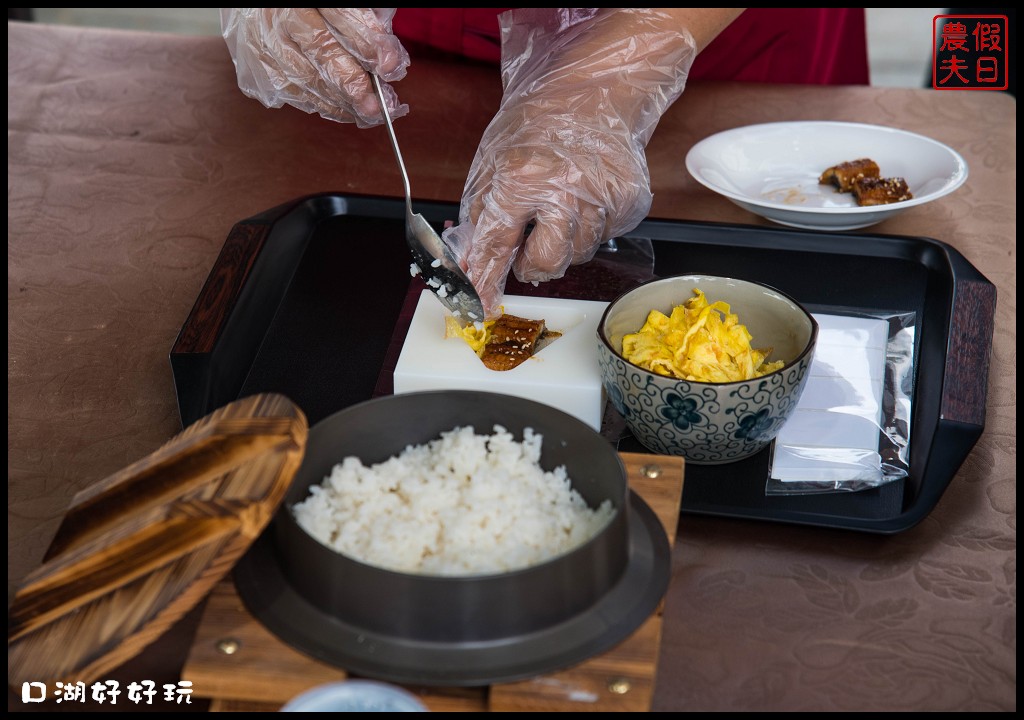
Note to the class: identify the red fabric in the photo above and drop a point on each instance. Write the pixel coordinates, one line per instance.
(819, 46)
(470, 32)
(825, 46)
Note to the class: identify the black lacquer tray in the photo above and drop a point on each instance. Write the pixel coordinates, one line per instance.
(312, 299)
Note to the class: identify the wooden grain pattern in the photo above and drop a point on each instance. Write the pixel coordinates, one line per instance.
(253, 670)
(181, 468)
(141, 548)
(621, 680)
(965, 383)
(655, 477)
(220, 293)
(242, 706)
(264, 672)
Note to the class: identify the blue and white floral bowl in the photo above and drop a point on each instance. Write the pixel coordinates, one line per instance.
(708, 423)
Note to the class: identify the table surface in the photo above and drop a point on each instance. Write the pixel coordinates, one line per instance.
(131, 155)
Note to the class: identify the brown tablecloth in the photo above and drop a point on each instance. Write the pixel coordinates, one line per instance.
(131, 155)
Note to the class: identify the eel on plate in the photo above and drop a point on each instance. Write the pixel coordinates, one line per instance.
(512, 340)
(844, 175)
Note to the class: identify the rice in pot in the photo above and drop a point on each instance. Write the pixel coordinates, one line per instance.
(463, 504)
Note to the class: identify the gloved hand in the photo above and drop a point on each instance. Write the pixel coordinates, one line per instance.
(583, 91)
(317, 59)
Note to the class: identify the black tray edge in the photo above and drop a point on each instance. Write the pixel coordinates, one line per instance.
(212, 338)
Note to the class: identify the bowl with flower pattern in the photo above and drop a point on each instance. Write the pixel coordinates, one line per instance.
(708, 423)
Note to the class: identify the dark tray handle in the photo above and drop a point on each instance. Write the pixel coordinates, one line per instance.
(192, 355)
(224, 284)
(964, 385)
(216, 344)
(969, 350)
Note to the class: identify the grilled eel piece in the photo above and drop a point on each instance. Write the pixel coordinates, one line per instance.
(512, 341)
(845, 175)
(881, 191)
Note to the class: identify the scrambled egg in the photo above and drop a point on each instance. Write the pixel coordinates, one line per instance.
(699, 341)
(475, 334)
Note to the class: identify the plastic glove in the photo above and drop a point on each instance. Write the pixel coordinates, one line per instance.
(317, 59)
(566, 148)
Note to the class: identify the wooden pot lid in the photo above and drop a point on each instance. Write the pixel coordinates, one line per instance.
(140, 549)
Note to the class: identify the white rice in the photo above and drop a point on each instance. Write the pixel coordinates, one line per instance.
(463, 504)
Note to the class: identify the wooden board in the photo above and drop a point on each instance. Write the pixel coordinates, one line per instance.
(242, 666)
(138, 550)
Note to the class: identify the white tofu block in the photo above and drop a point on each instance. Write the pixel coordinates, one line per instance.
(564, 375)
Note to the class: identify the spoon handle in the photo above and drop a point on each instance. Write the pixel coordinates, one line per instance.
(394, 142)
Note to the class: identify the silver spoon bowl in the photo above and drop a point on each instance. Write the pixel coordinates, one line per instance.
(431, 257)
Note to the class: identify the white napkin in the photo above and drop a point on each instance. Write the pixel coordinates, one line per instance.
(833, 435)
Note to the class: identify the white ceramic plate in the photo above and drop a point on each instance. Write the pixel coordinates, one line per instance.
(772, 170)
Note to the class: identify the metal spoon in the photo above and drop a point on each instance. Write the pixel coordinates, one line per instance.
(435, 261)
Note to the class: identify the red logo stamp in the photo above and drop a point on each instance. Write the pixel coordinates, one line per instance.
(970, 52)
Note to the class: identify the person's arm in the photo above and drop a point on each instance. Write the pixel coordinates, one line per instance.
(584, 90)
(704, 24)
